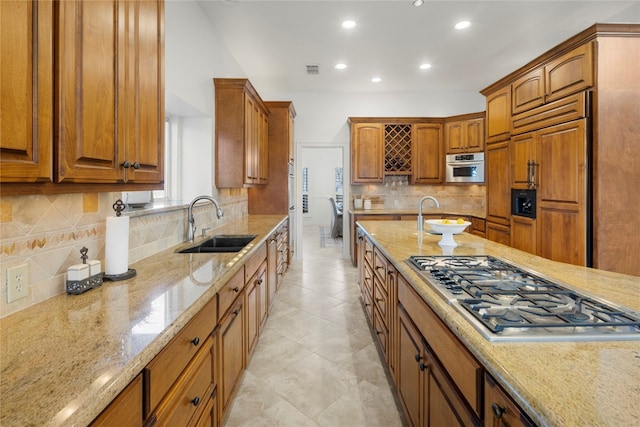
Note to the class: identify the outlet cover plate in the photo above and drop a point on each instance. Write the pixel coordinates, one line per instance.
(17, 282)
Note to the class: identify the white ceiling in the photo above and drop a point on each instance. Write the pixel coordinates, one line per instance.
(273, 41)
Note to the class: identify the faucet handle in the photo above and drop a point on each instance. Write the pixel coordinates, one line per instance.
(204, 231)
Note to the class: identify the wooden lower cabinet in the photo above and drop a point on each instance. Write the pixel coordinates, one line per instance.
(125, 410)
(438, 381)
(499, 409)
(428, 394)
(523, 234)
(209, 416)
(231, 354)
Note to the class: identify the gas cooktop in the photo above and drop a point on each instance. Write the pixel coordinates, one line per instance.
(505, 302)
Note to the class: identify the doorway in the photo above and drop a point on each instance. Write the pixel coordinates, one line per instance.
(321, 174)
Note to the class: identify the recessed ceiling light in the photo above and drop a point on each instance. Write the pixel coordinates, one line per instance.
(418, 2)
(462, 25)
(340, 66)
(376, 80)
(425, 66)
(348, 24)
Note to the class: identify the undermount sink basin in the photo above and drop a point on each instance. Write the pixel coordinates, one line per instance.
(221, 243)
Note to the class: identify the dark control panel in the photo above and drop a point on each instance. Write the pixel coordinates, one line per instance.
(523, 203)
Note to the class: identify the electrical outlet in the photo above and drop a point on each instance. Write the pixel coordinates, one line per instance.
(17, 282)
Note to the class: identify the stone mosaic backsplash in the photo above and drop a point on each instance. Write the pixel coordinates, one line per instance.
(395, 193)
(47, 232)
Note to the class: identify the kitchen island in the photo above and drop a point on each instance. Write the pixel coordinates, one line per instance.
(64, 360)
(577, 383)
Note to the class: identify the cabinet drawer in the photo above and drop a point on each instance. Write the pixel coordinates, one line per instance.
(382, 334)
(166, 367)
(562, 111)
(368, 251)
(380, 265)
(367, 280)
(477, 224)
(191, 393)
(380, 300)
(229, 292)
(253, 263)
(368, 304)
(464, 370)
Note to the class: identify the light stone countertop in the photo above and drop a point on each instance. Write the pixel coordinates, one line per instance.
(64, 360)
(556, 383)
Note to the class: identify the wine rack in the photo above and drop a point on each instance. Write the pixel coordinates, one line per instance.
(397, 149)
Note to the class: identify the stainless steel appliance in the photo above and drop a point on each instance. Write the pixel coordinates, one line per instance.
(523, 203)
(505, 302)
(465, 168)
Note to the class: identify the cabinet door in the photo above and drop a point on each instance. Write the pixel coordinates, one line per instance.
(444, 405)
(523, 152)
(498, 183)
(26, 66)
(474, 130)
(498, 233)
(499, 409)
(562, 193)
(499, 115)
(410, 367)
(90, 76)
(125, 410)
(367, 153)
(523, 234)
(231, 356)
(570, 73)
(528, 91)
(145, 92)
(428, 158)
(454, 135)
(252, 303)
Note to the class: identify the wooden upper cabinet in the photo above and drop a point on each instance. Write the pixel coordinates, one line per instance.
(26, 66)
(498, 122)
(465, 136)
(145, 97)
(427, 157)
(241, 134)
(367, 153)
(528, 91)
(570, 73)
(110, 91)
(273, 198)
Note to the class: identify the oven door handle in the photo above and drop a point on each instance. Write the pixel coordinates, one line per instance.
(464, 163)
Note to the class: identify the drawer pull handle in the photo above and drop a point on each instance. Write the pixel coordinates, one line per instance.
(423, 366)
(195, 341)
(236, 311)
(259, 282)
(195, 401)
(418, 358)
(497, 410)
(236, 289)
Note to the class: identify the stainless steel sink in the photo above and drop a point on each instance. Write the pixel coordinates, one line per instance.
(221, 243)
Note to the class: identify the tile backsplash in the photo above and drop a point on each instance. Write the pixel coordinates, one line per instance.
(396, 193)
(46, 232)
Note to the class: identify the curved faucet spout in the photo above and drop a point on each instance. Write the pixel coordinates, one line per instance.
(420, 220)
(191, 227)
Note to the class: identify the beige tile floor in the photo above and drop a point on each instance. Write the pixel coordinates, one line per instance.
(316, 363)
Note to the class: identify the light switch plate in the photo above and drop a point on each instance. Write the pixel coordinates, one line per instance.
(17, 282)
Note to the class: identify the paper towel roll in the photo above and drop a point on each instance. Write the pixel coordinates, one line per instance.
(117, 245)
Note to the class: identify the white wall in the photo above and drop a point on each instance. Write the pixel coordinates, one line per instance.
(321, 162)
(194, 55)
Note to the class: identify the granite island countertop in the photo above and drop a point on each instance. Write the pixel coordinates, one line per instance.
(64, 360)
(556, 383)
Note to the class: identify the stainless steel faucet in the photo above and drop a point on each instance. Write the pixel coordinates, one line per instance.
(191, 227)
(420, 220)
